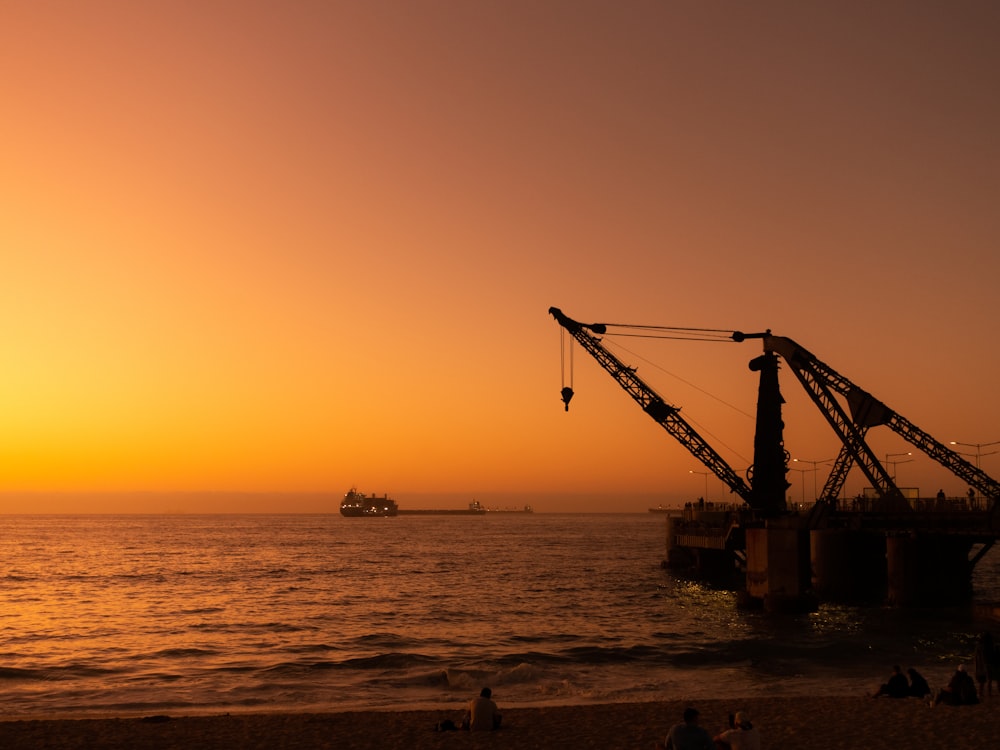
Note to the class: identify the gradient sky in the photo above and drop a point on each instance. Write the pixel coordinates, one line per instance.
(297, 246)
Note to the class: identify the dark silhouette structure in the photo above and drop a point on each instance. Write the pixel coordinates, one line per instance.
(888, 546)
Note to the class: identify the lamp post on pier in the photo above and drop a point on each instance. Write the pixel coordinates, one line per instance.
(979, 448)
(704, 474)
(894, 464)
(802, 473)
(979, 454)
(814, 470)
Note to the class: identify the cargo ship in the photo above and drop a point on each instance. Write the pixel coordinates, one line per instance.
(356, 504)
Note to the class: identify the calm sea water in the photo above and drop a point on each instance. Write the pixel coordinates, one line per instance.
(122, 614)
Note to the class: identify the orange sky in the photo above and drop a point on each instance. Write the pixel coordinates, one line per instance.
(294, 247)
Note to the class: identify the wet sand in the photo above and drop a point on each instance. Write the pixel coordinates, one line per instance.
(816, 723)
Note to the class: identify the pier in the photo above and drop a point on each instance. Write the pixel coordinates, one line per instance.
(887, 545)
(848, 553)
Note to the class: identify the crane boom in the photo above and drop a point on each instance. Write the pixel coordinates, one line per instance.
(652, 403)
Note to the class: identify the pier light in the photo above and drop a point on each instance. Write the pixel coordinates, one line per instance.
(978, 454)
(802, 473)
(704, 474)
(815, 471)
(894, 464)
(979, 449)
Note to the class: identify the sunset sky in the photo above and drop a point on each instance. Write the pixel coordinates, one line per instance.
(291, 247)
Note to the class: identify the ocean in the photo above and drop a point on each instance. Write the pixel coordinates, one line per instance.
(134, 614)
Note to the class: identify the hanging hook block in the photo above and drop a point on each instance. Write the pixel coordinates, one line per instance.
(567, 394)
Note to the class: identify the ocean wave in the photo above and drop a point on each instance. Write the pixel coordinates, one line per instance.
(308, 648)
(184, 653)
(15, 673)
(75, 671)
(201, 611)
(393, 660)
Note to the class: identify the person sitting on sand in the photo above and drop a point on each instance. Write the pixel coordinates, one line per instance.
(483, 714)
(687, 735)
(742, 736)
(918, 685)
(960, 690)
(896, 687)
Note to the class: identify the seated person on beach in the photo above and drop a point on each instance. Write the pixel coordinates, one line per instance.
(687, 735)
(960, 690)
(741, 736)
(896, 687)
(918, 685)
(483, 714)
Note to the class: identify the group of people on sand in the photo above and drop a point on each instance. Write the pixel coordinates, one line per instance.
(689, 735)
(961, 689)
(898, 686)
(482, 712)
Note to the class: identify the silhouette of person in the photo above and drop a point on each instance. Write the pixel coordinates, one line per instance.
(742, 735)
(896, 687)
(985, 663)
(960, 690)
(483, 713)
(687, 735)
(918, 685)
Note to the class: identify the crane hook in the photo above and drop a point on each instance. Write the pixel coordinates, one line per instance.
(567, 394)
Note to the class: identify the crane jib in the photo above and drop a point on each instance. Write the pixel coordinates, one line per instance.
(664, 414)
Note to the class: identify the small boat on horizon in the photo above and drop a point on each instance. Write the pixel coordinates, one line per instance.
(475, 508)
(356, 505)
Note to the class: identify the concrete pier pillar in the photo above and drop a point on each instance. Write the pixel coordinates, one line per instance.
(903, 569)
(678, 557)
(778, 567)
(928, 570)
(847, 565)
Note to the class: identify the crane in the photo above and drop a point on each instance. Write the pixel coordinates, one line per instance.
(761, 495)
(824, 385)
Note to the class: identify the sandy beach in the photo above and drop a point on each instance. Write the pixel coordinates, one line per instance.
(817, 723)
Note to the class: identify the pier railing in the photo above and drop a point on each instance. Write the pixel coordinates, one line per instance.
(865, 504)
(860, 504)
